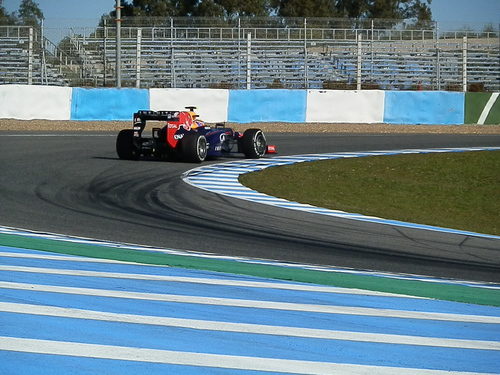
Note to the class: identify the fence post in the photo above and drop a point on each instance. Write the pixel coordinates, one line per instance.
(118, 44)
(464, 64)
(438, 59)
(306, 70)
(249, 67)
(239, 53)
(371, 54)
(358, 67)
(104, 58)
(30, 56)
(44, 60)
(172, 54)
(138, 59)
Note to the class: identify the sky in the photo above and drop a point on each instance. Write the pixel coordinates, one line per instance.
(450, 14)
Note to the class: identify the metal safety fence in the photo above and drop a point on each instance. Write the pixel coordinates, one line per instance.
(274, 53)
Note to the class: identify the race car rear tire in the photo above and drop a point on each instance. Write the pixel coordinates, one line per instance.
(194, 147)
(125, 147)
(253, 143)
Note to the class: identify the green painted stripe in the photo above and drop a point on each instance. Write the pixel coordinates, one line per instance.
(458, 293)
(494, 115)
(474, 106)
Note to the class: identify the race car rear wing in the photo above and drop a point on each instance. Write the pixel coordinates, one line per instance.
(140, 118)
(156, 115)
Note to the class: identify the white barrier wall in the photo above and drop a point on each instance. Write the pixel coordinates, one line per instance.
(345, 106)
(28, 102)
(211, 104)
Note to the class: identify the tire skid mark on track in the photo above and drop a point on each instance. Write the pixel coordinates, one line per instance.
(223, 179)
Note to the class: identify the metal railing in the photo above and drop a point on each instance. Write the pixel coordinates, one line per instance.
(269, 53)
(27, 57)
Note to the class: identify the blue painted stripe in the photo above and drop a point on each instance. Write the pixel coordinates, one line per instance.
(45, 364)
(223, 291)
(116, 267)
(79, 263)
(242, 344)
(236, 293)
(107, 104)
(426, 107)
(232, 343)
(267, 106)
(341, 322)
(201, 289)
(236, 259)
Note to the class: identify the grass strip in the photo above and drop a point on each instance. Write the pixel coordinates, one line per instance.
(453, 190)
(449, 292)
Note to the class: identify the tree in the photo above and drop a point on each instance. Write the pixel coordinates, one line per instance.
(359, 9)
(305, 8)
(353, 8)
(208, 8)
(6, 18)
(490, 30)
(245, 8)
(30, 13)
(396, 9)
(200, 8)
(229, 9)
(148, 8)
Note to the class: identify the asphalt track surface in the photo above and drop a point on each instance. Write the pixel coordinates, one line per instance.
(74, 184)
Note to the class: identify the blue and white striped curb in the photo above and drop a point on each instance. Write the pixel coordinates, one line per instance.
(223, 179)
(67, 314)
(88, 241)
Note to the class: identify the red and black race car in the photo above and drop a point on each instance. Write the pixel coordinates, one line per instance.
(183, 136)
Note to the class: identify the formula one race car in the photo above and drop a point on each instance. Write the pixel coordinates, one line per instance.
(183, 136)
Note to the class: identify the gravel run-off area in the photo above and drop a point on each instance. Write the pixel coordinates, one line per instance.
(276, 127)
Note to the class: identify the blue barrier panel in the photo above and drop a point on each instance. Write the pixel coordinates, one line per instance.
(424, 107)
(267, 106)
(107, 104)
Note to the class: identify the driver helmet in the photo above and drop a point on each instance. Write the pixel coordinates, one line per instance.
(196, 123)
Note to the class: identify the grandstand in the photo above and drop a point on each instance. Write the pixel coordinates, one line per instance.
(26, 58)
(278, 53)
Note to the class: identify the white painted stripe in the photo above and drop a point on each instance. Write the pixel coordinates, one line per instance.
(221, 173)
(265, 198)
(139, 248)
(67, 258)
(209, 178)
(487, 108)
(258, 329)
(226, 192)
(201, 280)
(218, 183)
(74, 349)
(231, 188)
(233, 170)
(260, 163)
(24, 232)
(231, 258)
(255, 304)
(248, 193)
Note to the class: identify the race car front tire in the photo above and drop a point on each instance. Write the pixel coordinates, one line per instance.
(253, 143)
(125, 147)
(194, 147)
